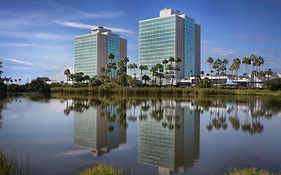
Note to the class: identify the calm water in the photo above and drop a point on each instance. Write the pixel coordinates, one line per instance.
(143, 136)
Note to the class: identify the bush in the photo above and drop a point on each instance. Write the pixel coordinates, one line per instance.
(3, 87)
(95, 83)
(274, 84)
(249, 171)
(16, 88)
(39, 85)
(11, 166)
(102, 169)
(205, 83)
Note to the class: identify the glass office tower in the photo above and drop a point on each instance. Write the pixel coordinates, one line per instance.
(171, 149)
(91, 50)
(173, 34)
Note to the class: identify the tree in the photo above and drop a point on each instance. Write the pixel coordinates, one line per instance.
(39, 85)
(268, 73)
(87, 78)
(235, 66)
(110, 64)
(1, 66)
(133, 67)
(142, 68)
(210, 60)
(246, 61)
(67, 73)
(205, 83)
(145, 78)
(254, 61)
(122, 73)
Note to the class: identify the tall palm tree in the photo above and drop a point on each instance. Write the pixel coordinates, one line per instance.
(210, 60)
(110, 66)
(133, 67)
(145, 78)
(1, 66)
(142, 68)
(223, 66)
(268, 73)
(67, 73)
(254, 61)
(235, 66)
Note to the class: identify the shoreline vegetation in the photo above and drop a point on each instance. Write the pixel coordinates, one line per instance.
(162, 91)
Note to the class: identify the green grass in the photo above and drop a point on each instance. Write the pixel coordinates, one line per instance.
(11, 166)
(250, 171)
(102, 169)
(164, 91)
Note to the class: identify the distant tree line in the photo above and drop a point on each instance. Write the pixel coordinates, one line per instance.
(9, 85)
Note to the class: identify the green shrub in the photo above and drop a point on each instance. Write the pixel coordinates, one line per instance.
(3, 86)
(39, 85)
(249, 171)
(11, 166)
(274, 84)
(102, 169)
(205, 83)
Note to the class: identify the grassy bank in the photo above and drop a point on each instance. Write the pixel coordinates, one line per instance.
(250, 171)
(13, 166)
(163, 91)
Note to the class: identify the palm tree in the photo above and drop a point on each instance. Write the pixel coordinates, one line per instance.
(67, 73)
(210, 60)
(254, 61)
(142, 68)
(87, 78)
(114, 67)
(260, 62)
(1, 66)
(145, 78)
(268, 73)
(247, 62)
(133, 67)
(110, 64)
(235, 66)
(223, 66)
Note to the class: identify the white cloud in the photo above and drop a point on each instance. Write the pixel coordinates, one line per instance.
(33, 35)
(105, 14)
(37, 46)
(20, 62)
(87, 26)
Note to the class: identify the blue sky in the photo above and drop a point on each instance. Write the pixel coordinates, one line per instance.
(36, 36)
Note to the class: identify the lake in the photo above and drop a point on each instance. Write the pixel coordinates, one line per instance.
(142, 135)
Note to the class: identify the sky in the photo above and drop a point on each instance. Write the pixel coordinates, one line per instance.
(37, 36)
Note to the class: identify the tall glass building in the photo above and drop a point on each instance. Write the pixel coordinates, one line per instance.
(173, 34)
(171, 149)
(91, 50)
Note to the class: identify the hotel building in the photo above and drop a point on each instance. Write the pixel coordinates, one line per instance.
(170, 149)
(93, 131)
(173, 34)
(91, 50)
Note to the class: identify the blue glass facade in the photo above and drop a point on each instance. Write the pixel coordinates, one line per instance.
(91, 51)
(189, 50)
(113, 47)
(171, 35)
(156, 41)
(86, 54)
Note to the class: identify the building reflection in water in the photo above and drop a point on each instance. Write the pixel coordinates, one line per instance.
(169, 137)
(99, 129)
